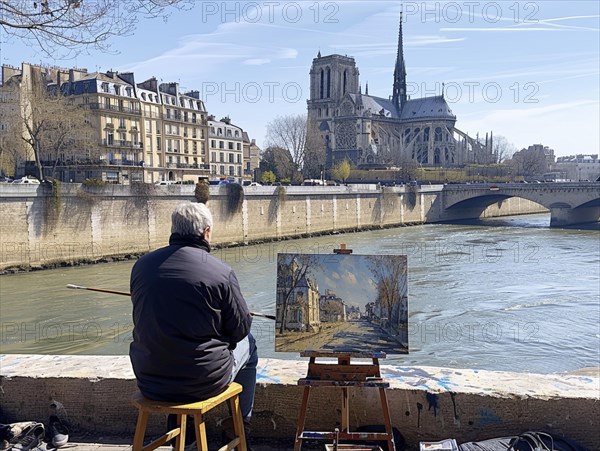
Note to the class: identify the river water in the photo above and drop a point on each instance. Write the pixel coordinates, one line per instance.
(505, 294)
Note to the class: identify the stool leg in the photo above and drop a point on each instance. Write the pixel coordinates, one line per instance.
(200, 428)
(140, 430)
(181, 424)
(238, 422)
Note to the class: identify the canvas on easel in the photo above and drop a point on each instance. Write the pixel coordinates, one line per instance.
(342, 303)
(342, 306)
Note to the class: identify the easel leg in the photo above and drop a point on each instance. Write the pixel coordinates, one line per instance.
(301, 418)
(345, 410)
(387, 419)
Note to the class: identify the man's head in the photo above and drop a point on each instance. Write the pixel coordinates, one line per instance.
(192, 219)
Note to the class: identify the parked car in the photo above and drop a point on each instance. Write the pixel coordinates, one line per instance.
(27, 181)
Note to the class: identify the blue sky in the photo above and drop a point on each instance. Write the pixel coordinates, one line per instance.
(529, 71)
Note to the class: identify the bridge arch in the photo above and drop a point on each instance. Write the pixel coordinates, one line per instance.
(568, 203)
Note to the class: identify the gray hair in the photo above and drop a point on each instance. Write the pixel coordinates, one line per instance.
(191, 219)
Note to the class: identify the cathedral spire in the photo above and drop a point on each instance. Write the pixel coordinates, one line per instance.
(399, 93)
(367, 89)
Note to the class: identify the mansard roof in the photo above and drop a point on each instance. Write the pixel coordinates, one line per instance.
(427, 108)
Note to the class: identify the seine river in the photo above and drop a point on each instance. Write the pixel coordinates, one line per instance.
(506, 294)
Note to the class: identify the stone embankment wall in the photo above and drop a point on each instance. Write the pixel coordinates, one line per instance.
(426, 403)
(39, 227)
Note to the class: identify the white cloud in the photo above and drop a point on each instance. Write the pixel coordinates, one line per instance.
(256, 61)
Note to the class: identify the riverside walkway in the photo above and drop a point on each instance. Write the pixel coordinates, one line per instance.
(426, 403)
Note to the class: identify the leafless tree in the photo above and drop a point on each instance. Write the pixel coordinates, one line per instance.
(291, 270)
(66, 27)
(289, 132)
(56, 130)
(502, 148)
(390, 276)
(529, 162)
(314, 153)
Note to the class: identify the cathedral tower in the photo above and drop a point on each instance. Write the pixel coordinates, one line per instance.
(331, 78)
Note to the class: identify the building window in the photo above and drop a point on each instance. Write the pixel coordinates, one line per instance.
(230, 145)
(213, 157)
(231, 170)
(157, 143)
(239, 146)
(239, 158)
(104, 87)
(222, 169)
(221, 156)
(221, 145)
(231, 158)
(213, 143)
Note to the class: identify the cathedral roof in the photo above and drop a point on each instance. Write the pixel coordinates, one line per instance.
(427, 108)
(379, 105)
(414, 109)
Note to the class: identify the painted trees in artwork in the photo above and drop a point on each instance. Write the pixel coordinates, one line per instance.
(391, 279)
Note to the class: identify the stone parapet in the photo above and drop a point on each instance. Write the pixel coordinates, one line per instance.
(426, 403)
(40, 228)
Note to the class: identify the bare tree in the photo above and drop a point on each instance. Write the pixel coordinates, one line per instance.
(314, 153)
(56, 130)
(529, 162)
(502, 148)
(289, 132)
(390, 276)
(66, 27)
(291, 270)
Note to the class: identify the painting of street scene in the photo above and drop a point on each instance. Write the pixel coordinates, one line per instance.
(342, 303)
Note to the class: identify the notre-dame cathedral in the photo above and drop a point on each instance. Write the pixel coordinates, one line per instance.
(369, 130)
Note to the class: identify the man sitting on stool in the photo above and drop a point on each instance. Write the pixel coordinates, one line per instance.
(191, 335)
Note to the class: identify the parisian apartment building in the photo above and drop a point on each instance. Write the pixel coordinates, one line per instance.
(143, 131)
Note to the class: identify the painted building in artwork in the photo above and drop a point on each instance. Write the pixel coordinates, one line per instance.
(303, 313)
(368, 130)
(332, 307)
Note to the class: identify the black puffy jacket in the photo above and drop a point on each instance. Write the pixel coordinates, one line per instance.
(188, 315)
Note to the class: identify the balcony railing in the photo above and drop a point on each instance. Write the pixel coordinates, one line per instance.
(117, 108)
(121, 143)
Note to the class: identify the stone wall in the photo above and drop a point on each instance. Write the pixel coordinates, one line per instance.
(39, 227)
(426, 403)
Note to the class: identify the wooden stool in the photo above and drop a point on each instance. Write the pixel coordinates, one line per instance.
(197, 410)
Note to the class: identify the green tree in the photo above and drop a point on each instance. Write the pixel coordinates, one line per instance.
(279, 161)
(341, 171)
(268, 177)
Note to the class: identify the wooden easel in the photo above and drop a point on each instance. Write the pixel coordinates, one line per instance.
(344, 375)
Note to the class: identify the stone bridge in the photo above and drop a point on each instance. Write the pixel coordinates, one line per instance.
(568, 203)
